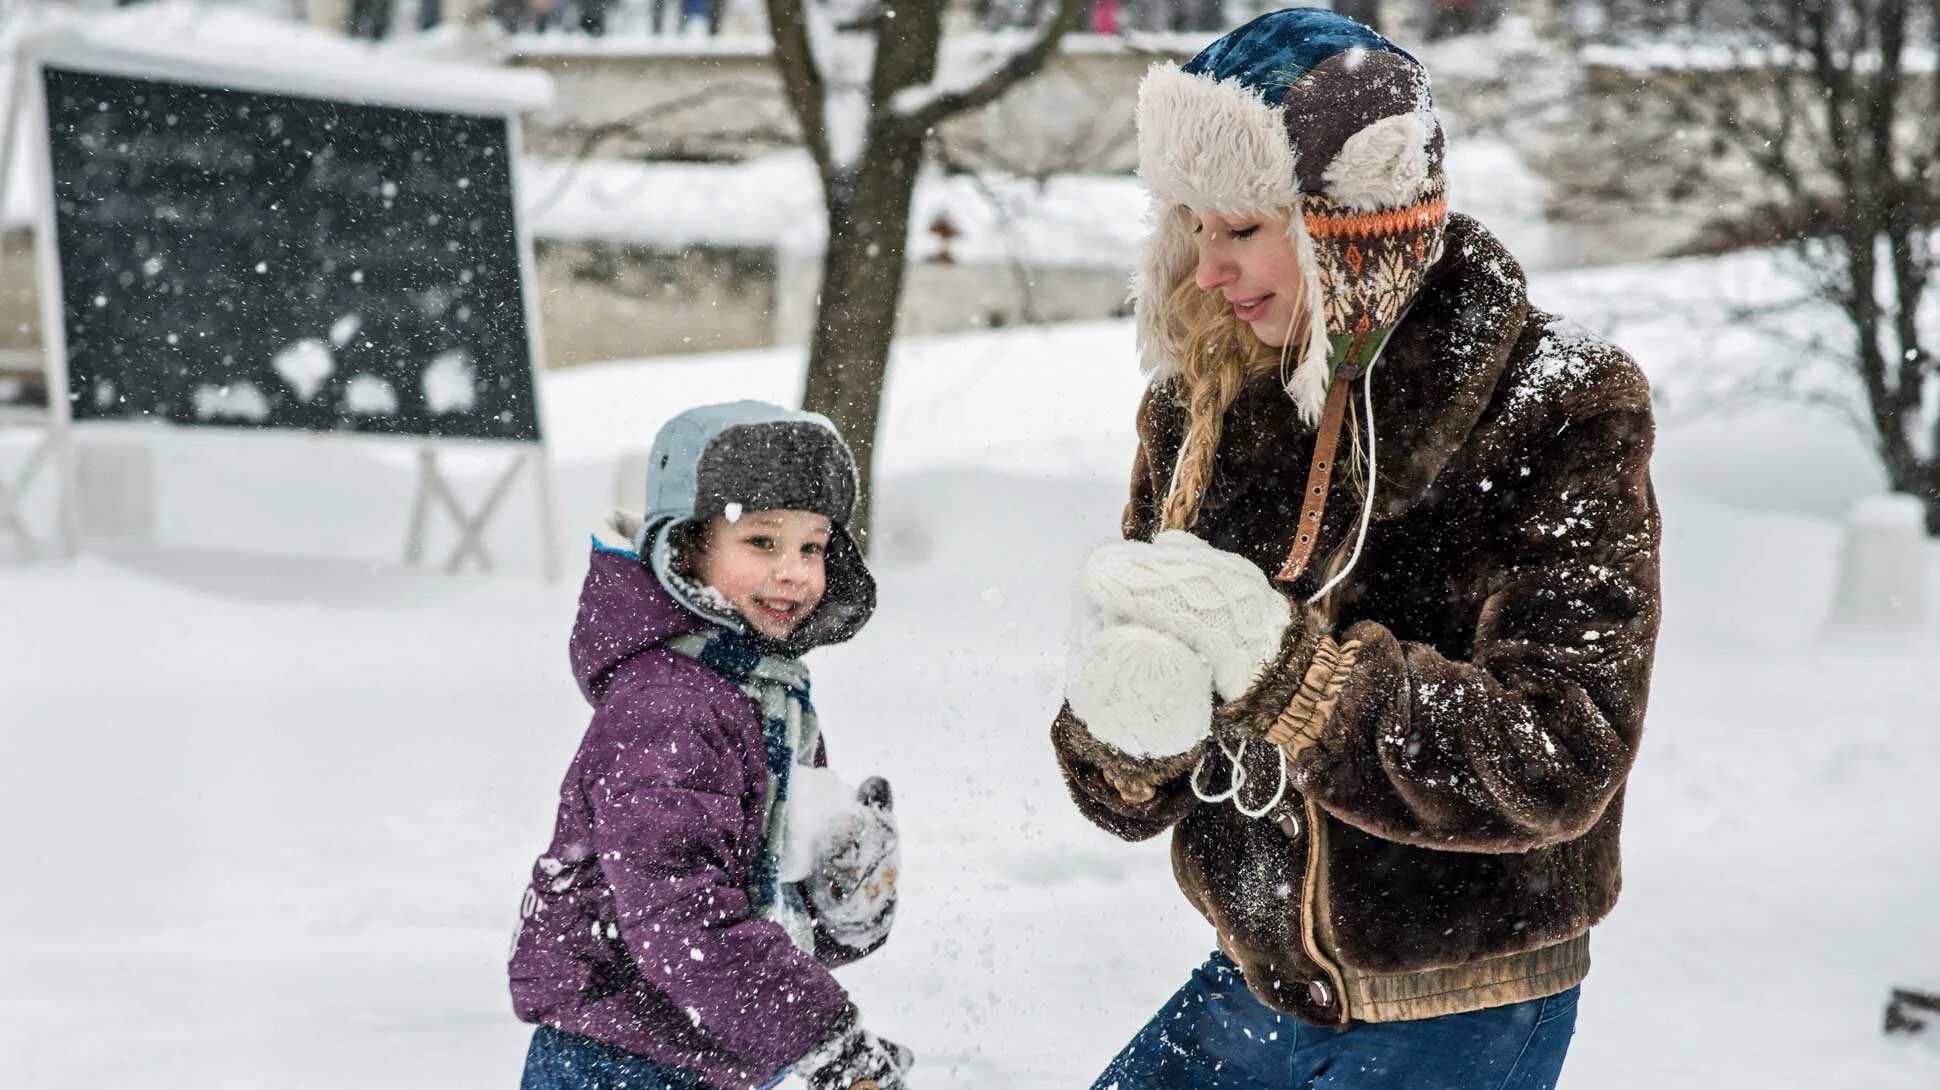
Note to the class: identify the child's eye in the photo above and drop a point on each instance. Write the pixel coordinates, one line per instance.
(813, 549)
(1246, 232)
(761, 541)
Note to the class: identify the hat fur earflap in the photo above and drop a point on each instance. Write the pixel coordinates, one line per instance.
(1214, 146)
(1384, 165)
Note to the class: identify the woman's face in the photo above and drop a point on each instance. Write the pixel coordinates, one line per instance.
(1250, 261)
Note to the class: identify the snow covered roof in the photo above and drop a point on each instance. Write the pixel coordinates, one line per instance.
(232, 48)
(636, 45)
(620, 43)
(1722, 53)
(775, 202)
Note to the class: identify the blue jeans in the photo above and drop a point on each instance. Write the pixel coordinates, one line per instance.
(1216, 1035)
(567, 1061)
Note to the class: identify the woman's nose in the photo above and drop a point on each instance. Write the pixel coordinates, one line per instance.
(1212, 271)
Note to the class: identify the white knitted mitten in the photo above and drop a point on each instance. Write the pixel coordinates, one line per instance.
(1215, 602)
(1140, 692)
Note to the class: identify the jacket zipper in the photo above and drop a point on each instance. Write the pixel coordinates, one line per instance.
(1313, 904)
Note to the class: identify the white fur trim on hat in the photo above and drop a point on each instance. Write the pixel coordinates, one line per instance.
(1211, 146)
(1385, 165)
(1308, 386)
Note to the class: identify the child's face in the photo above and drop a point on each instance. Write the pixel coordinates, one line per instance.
(770, 566)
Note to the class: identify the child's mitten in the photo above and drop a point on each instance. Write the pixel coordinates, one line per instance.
(852, 1058)
(851, 886)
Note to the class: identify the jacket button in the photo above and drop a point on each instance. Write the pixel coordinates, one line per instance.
(1290, 825)
(1320, 993)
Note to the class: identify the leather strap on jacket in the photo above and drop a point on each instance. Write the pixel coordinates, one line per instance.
(1319, 477)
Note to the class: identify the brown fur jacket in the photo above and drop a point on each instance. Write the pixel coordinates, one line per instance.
(1455, 825)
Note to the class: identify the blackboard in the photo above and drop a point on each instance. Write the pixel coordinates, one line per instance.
(231, 258)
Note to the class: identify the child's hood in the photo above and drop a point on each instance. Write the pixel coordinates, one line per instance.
(623, 609)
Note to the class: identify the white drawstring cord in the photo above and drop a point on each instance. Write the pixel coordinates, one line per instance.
(1367, 507)
(1238, 781)
(1278, 794)
(1238, 778)
(1360, 538)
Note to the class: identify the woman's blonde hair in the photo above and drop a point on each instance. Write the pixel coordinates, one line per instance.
(1222, 354)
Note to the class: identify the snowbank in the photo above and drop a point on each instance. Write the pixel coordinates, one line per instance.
(775, 202)
(272, 813)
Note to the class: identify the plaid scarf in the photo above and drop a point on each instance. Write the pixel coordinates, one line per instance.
(779, 688)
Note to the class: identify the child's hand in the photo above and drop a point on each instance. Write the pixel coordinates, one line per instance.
(852, 888)
(852, 1058)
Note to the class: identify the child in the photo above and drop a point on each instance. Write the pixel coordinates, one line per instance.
(705, 874)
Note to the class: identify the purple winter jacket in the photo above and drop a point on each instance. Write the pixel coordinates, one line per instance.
(637, 929)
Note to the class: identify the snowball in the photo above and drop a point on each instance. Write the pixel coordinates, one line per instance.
(345, 328)
(236, 401)
(305, 365)
(368, 395)
(818, 803)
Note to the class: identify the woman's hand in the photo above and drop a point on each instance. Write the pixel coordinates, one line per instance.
(1140, 692)
(1216, 603)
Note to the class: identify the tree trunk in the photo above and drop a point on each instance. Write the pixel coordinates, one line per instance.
(862, 286)
(868, 195)
(1921, 480)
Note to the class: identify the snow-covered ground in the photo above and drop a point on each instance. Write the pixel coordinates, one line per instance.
(271, 799)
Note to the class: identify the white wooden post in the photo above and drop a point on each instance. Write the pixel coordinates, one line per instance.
(30, 96)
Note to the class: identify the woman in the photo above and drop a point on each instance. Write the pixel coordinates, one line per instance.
(1387, 707)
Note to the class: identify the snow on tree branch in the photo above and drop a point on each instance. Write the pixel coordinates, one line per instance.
(844, 55)
(922, 107)
(787, 22)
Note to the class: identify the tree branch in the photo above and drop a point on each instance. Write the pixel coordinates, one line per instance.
(803, 83)
(592, 136)
(1021, 66)
(1019, 272)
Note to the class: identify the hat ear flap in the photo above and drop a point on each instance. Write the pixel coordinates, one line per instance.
(1311, 374)
(1385, 165)
(1166, 257)
(847, 603)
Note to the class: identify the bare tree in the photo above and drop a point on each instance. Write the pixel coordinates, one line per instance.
(862, 77)
(1826, 136)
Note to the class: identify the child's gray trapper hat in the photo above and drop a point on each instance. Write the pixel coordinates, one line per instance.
(720, 460)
